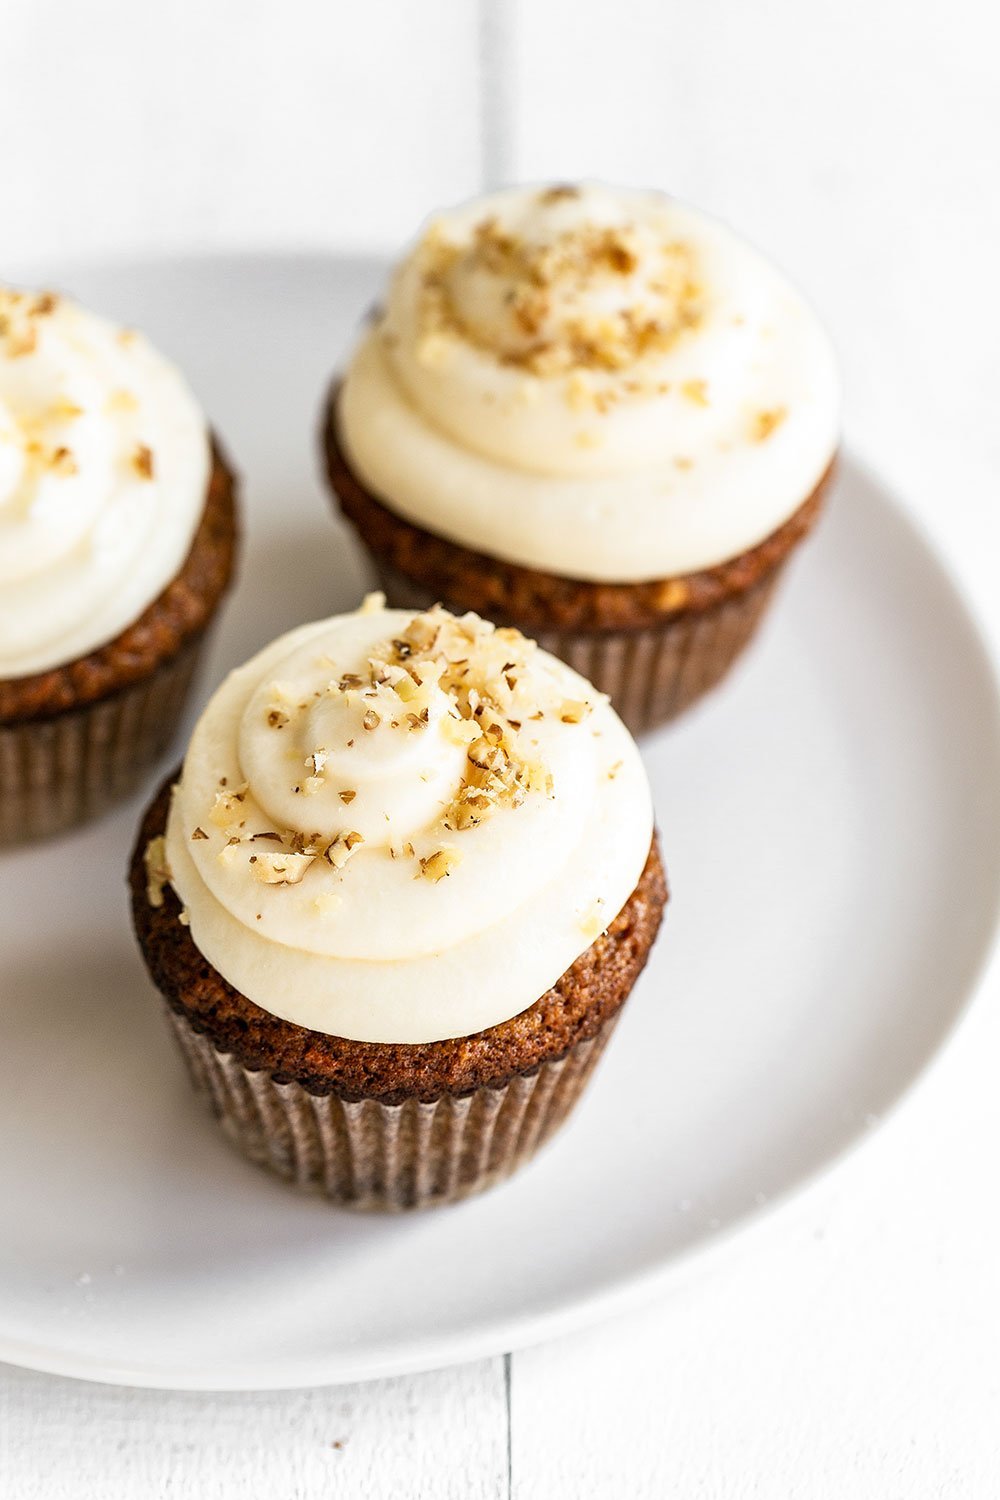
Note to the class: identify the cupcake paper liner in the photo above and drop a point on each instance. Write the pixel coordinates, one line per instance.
(60, 771)
(388, 1157)
(651, 674)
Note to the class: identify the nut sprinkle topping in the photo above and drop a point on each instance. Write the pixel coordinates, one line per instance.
(460, 680)
(19, 318)
(582, 298)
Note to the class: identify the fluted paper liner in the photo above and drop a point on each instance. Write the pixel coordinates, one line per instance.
(651, 674)
(62, 770)
(390, 1157)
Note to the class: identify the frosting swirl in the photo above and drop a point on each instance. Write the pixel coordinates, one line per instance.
(398, 829)
(606, 384)
(104, 468)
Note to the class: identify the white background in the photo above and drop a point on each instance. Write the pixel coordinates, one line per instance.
(852, 1347)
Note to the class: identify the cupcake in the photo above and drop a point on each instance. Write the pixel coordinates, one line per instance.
(396, 900)
(116, 546)
(596, 415)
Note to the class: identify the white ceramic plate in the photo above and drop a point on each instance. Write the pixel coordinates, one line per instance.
(831, 825)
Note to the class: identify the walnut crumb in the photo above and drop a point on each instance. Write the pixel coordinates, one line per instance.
(696, 391)
(558, 193)
(339, 852)
(439, 865)
(227, 806)
(593, 922)
(20, 342)
(157, 870)
(121, 401)
(142, 461)
(63, 462)
(280, 869)
(765, 422)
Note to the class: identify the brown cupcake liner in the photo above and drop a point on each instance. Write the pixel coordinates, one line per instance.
(64, 769)
(650, 673)
(366, 1155)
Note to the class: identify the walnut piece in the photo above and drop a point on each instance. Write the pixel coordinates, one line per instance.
(157, 870)
(440, 864)
(280, 869)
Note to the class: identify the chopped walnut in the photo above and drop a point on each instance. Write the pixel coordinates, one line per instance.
(121, 401)
(326, 902)
(157, 870)
(473, 681)
(280, 869)
(228, 806)
(696, 391)
(339, 852)
(765, 422)
(545, 288)
(559, 192)
(483, 686)
(594, 922)
(63, 462)
(439, 865)
(142, 461)
(65, 410)
(20, 342)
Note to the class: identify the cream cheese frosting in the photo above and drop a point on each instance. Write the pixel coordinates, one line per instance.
(601, 383)
(399, 828)
(104, 469)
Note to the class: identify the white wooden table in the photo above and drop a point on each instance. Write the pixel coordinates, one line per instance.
(850, 1346)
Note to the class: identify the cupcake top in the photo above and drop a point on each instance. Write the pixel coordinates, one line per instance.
(104, 469)
(601, 383)
(399, 828)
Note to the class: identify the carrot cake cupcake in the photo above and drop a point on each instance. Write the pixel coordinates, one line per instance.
(396, 900)
(595, 414)
(116, 545)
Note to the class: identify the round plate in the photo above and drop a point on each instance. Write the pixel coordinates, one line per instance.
(831, 825)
